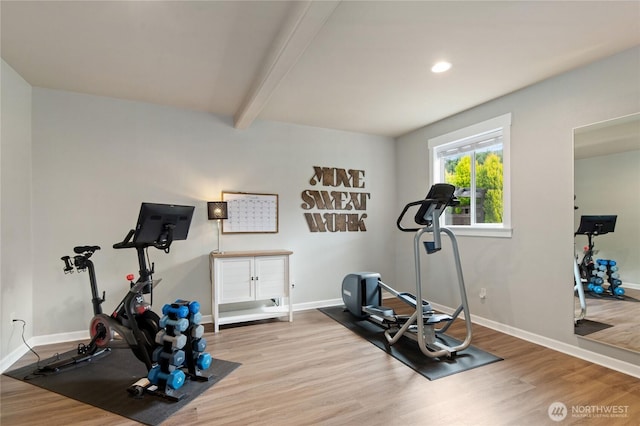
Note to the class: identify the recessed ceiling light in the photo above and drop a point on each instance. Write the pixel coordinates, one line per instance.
(440, 67)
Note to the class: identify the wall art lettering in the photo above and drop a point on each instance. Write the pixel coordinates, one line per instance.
(341, 207)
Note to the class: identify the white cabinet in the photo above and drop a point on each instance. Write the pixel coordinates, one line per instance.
(249, 286)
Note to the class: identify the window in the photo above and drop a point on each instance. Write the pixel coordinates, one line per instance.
(476, 160)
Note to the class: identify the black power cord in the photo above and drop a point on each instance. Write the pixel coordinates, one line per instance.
(24, 324)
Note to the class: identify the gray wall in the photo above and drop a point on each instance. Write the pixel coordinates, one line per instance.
(96, 159)
(610, 184)
(16, 262)
(524, 275)
(85, 164)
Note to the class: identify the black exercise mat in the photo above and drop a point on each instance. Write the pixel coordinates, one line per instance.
(586, 327)
(609, 296)
(408, 352)
(103, 383)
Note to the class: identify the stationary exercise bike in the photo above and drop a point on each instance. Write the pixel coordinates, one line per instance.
(133, 320)
(362, 292)
(592, 271)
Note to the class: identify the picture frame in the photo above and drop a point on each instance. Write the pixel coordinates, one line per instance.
(250, 212)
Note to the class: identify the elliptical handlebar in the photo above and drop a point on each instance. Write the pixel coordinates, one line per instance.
(440, 196)
(404, 211)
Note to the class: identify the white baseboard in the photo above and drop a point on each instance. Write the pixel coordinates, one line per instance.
(315, 305)
(556, 345)
(15, 355)
(48, 339)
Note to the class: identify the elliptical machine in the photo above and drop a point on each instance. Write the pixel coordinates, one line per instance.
(362, 292)
(133, 320)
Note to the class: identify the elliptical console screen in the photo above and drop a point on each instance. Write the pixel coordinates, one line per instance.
(442, 193)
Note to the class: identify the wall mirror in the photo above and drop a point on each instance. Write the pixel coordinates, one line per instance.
(607, 189)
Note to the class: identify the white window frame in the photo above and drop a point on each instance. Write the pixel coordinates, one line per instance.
(458, 137)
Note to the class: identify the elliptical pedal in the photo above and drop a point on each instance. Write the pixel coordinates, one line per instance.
(411, 300)
(381, 311)
(437, 318)
(385, 314)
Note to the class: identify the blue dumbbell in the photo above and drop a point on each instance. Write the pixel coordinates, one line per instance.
(174, 380)
(175, 358)
(179, 311)
(194, 307)
(204, 361)
(199, 345)
(180, 324)
(195, 318)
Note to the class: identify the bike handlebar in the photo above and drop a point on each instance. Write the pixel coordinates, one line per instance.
(126, 242)
(68, 267)
(163, 243)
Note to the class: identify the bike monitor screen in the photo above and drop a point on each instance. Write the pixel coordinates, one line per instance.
(597, 225)
(155, 220)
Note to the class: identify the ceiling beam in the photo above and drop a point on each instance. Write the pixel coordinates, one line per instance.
(303, 23)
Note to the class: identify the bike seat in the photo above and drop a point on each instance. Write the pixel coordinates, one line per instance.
(84, 249)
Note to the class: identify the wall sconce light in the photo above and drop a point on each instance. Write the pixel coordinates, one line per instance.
(217, 210)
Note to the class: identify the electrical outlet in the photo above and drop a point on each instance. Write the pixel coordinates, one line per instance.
(483, 293)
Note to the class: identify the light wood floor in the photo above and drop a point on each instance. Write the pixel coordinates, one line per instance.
(316, 372)
(624, 316)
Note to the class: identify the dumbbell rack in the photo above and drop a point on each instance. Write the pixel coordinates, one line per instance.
(180, 351)
(606, 268)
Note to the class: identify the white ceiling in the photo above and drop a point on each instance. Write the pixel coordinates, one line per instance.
(362, 66)
(608, 137)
